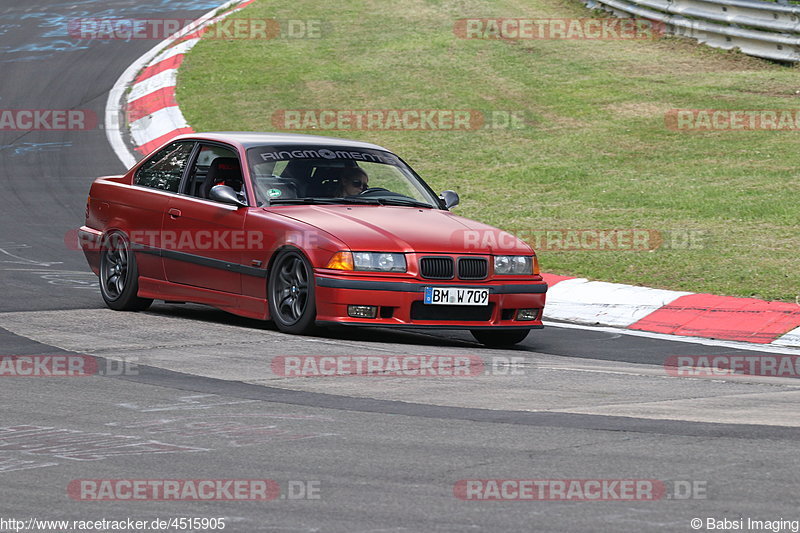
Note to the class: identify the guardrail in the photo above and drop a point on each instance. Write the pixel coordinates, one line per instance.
(762, 29)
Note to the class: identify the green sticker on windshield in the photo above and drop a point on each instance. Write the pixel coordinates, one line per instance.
(274, 193)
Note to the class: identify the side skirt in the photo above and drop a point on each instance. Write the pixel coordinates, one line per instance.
(238, 304)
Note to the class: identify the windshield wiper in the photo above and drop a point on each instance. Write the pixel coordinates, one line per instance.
(350, 200)
(326, 201)
(306, 201)
(404, 202)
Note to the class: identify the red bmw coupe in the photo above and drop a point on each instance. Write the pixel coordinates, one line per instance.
(305, 231)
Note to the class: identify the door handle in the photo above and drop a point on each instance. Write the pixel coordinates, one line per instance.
(174, 213)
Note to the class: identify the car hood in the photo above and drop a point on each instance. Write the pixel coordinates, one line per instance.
(404, 229)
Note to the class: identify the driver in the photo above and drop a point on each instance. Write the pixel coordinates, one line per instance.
(353, 181)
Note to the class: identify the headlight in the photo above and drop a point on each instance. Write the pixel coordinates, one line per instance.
(513, 264)
(379, 261)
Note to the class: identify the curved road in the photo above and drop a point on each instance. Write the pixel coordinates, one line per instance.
(198, 399)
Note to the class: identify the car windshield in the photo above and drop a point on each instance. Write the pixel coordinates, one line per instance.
(335, 175)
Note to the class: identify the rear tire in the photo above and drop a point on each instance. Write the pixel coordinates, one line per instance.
(119, 276)
(290, 290)
(500, 337)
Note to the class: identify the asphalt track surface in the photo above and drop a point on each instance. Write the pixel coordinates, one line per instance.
(383, 454)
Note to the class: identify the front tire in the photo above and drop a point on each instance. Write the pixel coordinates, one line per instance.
(119, 276)
(292, 303)
(500, 337)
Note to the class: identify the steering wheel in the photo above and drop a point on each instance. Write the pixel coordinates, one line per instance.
(374, 190)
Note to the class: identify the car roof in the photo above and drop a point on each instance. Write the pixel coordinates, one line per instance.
(249, 139)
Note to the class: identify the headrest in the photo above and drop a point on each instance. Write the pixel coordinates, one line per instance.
(225, 168)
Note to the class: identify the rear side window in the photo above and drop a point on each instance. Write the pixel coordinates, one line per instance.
(209, 152)
(164, 168)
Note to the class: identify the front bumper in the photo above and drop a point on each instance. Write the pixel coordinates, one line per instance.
(400, 304)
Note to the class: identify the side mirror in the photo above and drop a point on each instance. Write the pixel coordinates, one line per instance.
(225, 195)
(450, 198)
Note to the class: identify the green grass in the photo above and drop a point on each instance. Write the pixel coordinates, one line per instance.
(594, 152)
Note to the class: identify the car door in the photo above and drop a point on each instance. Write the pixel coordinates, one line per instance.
(203, 240)
(155, 182)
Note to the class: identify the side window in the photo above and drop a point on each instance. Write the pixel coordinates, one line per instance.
(215, 165)
(165, 168)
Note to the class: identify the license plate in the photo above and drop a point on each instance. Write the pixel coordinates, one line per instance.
(456, 296)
